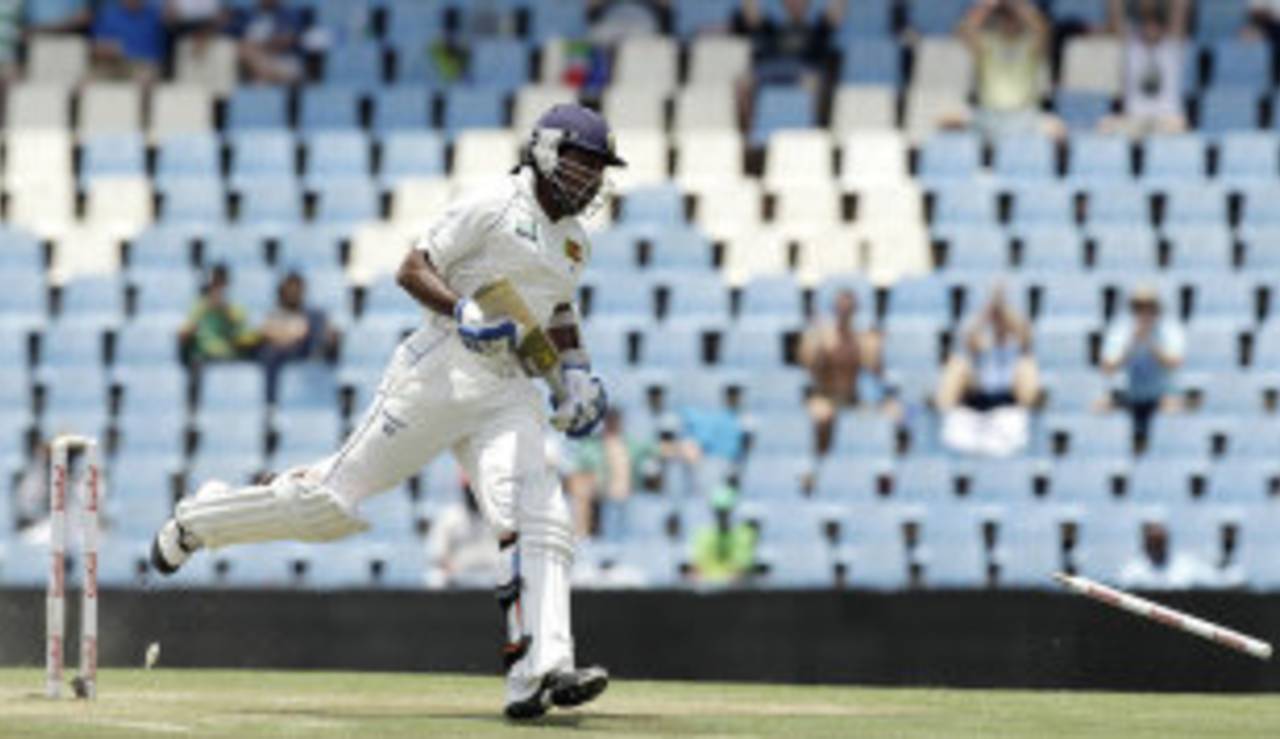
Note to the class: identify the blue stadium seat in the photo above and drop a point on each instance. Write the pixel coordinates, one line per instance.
(311, 247)
(384, 300)
(872, 19)
(224, 387)
(348, 202)
(227, 434)
(920, 298)
(145, 342)
(1072, 391)
(161, 248)
(1081, 110)
(673, 347)
(1254, 438)
(336, 155)
(139, 490)
(272, 565)
(1224, 110)
(370, 344)
(955, 157)
(258, 107)
(953, 548)
(20, 252)
(93, 300)
(1222, 299)
(411, 155)
(1124, 249)
(1108, 537)
(694, 298)
(1062, 345)
(935, 17)
(875, 555)
(161, 388)
(780, 107)
(775, 476)
(657, 204)
(197, 155)
(782, 433)
(1213, 347)
(1095, 159)
(499, 63)
(1088, 13)
(924, 480)
(864, 435)
(14, 349)
(357, 65)
(679, 248)
(1260, 205)
(963, 204)
(800, 564)
(1240, 63)
(977, 249)
(757, 348)
(329, 108)
(401, 108)
(307, 386)
(113, 155)
(26, 564)
(1235, 395)
(259, 154)
(254, 290)
(1251, 481)
(123, 556)
(1092, 435)
(770, 299)
(1041, 205)
(568, 18)
(414, 21)
(144, 431)
(872, 61)
(1118, 204)
(193, 204)
(418, 63)
(1200, 248)
(473, 107)
(1184, 437)
(315, 433)
(1164, 480)
(1173, 159)
(163, 292)
(235, 246)
(1029, 546)
(1087, 481)
(1245, 158)
(1025, 158)
(270, 203)
(327, 289)
(1221, 19)
(1052, 249)
(775, 391)
(824, 295)
(849, 479)
(1195, 204)
(913, 346)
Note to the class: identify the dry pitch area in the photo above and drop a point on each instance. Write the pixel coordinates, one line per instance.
(247, 704)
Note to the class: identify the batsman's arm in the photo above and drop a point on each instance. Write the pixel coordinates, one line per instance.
(420, 278)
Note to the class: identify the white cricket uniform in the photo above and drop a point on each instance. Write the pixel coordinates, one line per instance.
(437, 395)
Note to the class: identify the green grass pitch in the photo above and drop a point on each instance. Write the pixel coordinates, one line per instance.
(248, 704)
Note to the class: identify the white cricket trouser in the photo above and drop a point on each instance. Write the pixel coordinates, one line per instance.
(436, 396)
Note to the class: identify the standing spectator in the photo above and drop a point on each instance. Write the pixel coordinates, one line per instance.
(292, 331)
(605, 471)
(723, 553)
(844, 364)
(1009, 40)
(1157, 569)
(216, 330)
(986, 391)
(129, 41)
(1154, 35)
(791, 50)
(1147, 348)
(271, 49)
(461, 549)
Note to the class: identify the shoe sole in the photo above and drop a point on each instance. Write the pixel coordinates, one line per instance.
(576, 695)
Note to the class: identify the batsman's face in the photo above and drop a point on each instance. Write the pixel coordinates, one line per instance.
(581, 175)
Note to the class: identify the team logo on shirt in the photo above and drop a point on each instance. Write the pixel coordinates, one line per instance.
(573, 250)
(528, 231)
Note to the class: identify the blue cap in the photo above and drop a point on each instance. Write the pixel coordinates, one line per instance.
(583, 128)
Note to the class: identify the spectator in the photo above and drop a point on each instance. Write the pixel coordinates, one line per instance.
(605, 471)
(1153, 35)
(271, 48)
(845, 367)
(31, 491)
(129, 41)
(57, 16)
(711, 441)
(1156, 569)
(1264, 23)
(1009, 40)
(216, 330)
(292, 331)
(461, 549)
(986, 390)
(723, 553)
(1148, 349)
(792, 50)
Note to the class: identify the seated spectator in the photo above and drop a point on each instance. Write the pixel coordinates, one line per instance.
(844, 364)
(987, 389)
(791, 50)
(271, 48)
(1157, 569)
(129, 41)
(56, 16)
(461, 548)
(604, 472)
(723, 553)
(1009, 40)
(711, 441)
(292, 331)
(1154, 35)
(216, 330)
(1147, 348)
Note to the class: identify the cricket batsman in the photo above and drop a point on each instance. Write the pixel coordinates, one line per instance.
(459, 383)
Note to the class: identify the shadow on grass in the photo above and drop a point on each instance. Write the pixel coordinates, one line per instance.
(608, 722)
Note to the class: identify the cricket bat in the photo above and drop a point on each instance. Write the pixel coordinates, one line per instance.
(536, 352)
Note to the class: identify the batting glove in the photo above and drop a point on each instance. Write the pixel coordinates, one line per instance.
(482, 335)
(581, 409)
